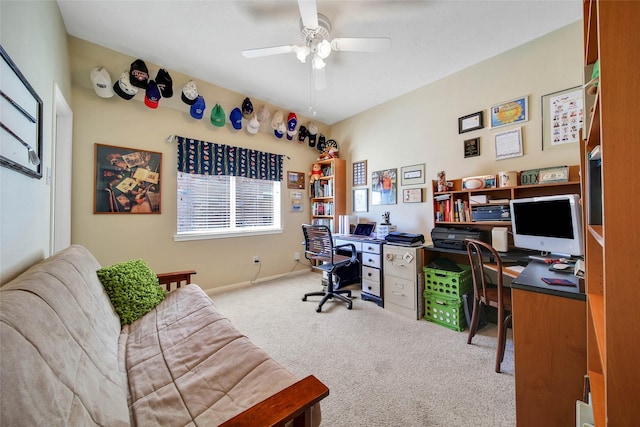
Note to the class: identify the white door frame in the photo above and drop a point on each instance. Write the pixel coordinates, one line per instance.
(62, 153)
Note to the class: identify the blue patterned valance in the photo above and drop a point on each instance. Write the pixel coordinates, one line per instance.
(207, 158)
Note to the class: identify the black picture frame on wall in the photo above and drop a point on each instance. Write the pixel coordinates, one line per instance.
(471, 147)
(20, 121)
(470, 122)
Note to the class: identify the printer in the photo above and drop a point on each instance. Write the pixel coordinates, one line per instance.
(453, 238)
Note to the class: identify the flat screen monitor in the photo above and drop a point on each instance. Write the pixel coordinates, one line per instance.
(549, 224)
(364, 229)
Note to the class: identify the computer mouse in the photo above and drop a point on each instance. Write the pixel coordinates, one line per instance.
(561, 266)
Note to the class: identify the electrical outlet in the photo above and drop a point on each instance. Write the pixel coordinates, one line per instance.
(296, 256)
(256, 259)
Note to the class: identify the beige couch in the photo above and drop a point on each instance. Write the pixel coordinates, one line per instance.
(65, 359)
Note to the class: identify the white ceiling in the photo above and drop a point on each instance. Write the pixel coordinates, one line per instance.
(204, 39)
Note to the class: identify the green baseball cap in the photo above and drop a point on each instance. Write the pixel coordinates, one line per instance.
(217, 116)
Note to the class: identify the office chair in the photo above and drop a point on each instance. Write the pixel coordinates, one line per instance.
(319, 250)
(488, 295)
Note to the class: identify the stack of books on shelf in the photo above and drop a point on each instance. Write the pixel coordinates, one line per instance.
(323, 221)
(327, 171)
(451, 211)
(323, 188)
(322, 208)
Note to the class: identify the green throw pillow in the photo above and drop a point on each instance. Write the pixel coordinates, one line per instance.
(133, 289)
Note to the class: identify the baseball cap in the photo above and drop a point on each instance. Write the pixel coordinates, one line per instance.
(139, 74)
(292, 122)
(302, 134)
(280, 130)
(189, 93)
(165, 83)
(247, 108)
(263, 114)
(236, 118)
(253, 126)
(312, 131)
(123, 87)
(101, 82)
(152, 95)
(217, 116)
(198, 107)
(277, 123)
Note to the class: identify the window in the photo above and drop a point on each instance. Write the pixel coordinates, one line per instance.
(212, 206)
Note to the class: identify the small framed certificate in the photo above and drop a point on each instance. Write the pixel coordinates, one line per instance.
(412, 195)
(470, 122)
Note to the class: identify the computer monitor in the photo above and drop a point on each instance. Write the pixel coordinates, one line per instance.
(364, 229)
(551, 224)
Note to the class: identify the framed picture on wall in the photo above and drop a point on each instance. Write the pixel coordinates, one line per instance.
(412, 195)
(471, 122)
(562, 117)
(509, 144)
(361, 200)
(510, 112)
(384, 187)
(295, 180)
(360, 173)
(127, 180)
(20, 121)
(471, 147)
(411, 175)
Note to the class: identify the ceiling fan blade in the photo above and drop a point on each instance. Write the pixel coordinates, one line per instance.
(319, 79)
(361, 44)
(266, 51)
(308, 13)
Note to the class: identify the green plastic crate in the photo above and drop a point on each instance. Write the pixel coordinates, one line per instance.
(447, 312)
(448, 283)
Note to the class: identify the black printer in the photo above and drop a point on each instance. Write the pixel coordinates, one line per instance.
(453, 238)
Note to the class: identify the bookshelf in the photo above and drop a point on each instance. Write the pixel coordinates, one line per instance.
(328, 194)
(454, 207)
(612, 232)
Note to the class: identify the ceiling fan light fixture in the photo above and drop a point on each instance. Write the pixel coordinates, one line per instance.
(302, 52)
(318, 63)
(324, 49)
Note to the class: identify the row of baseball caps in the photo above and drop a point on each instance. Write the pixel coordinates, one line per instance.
(137, 77)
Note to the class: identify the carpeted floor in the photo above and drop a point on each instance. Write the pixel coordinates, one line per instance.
(381, 368)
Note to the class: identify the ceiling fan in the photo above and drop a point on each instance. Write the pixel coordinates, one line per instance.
(315, 29)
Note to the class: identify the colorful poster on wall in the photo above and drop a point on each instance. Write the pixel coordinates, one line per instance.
(566, 117)
(510, 112)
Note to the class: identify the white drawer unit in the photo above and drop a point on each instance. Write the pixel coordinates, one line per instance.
(403, 288)
(370, 256)
(371, 272)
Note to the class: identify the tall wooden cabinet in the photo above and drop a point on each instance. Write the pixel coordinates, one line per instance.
(329, 194)
(612, 189)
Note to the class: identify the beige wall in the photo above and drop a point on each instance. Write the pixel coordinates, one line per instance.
(33, 35)
(115, 121)
(422, 126)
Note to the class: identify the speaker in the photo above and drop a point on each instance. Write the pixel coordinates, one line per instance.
(499, 239)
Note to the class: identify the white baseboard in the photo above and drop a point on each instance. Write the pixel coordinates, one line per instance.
(226, 288)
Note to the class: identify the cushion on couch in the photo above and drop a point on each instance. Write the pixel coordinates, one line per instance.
(59, 338)
(188, 365)
(132, 287)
